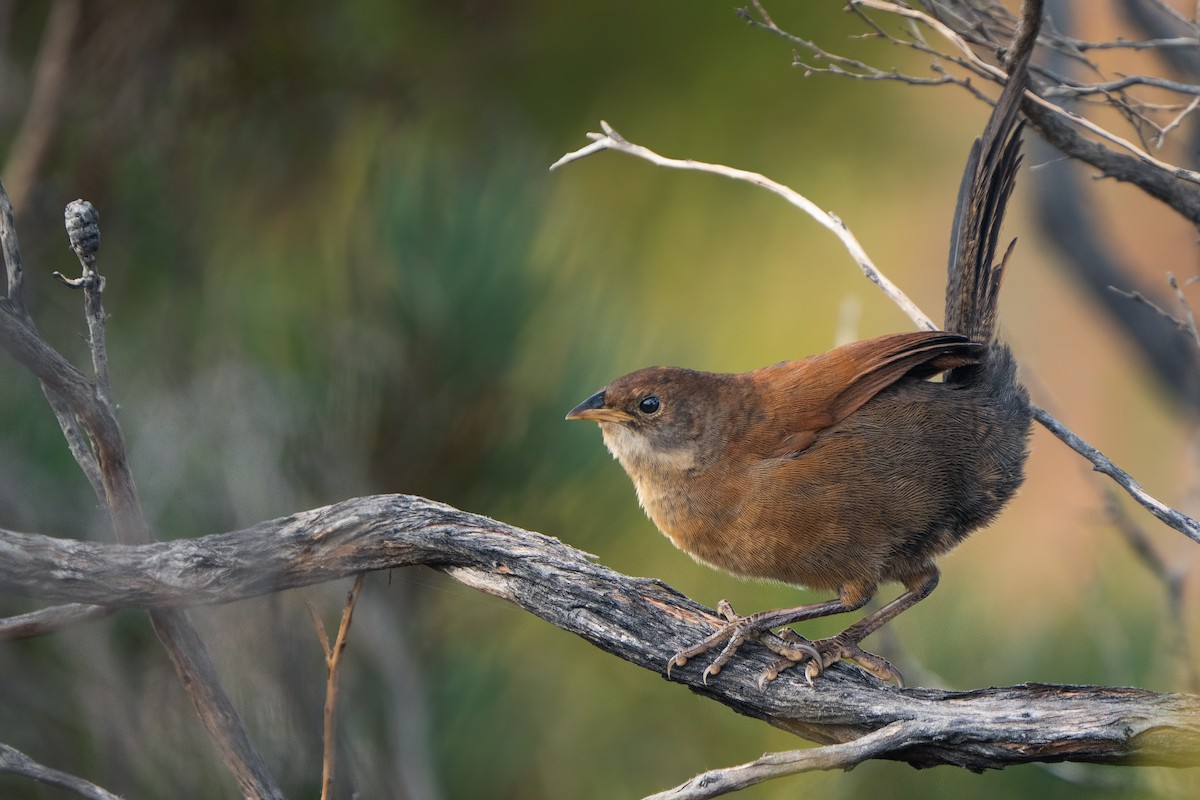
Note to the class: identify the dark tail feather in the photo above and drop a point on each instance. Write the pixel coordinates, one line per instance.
(973, 283)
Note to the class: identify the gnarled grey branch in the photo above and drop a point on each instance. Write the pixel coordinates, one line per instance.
(642, 621)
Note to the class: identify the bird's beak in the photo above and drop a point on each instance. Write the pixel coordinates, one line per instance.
(593, 408)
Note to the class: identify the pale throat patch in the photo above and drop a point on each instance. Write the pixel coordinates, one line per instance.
(635, 452)
(640, 461)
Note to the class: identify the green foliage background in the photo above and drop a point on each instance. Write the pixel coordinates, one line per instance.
(338, 265)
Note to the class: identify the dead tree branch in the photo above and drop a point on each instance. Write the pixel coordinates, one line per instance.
(642, 621)
(87, 414)
(967, 30)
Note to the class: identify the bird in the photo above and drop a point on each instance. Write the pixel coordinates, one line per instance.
(849, 469)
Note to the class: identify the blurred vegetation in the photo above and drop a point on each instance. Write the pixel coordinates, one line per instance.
(338, 265)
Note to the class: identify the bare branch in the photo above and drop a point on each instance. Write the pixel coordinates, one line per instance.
(991, 27)
(611, 140)
(333, 659)
(999, 76)
(50, 620)
(1189, 318)
(1075, 90)
(76, 440)
(860, 70)
(1133, 44)
(1173, 581)
(642, 621)
(15, 762)
(1101, 463)
(717, 782)
(1176, 122)
(1138, 297)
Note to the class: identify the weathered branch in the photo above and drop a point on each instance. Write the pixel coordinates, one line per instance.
(50, 620)
(640, 620)
(17, 763)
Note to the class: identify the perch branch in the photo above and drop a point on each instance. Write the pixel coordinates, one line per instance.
(642, 621)
(611, 140)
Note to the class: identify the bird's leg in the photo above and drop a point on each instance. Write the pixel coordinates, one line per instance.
(846, 644)
(734, 632)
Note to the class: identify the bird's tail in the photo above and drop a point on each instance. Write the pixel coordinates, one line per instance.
(973, 283)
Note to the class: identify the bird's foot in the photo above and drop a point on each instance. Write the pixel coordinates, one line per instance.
(827, 652)
(737, 630)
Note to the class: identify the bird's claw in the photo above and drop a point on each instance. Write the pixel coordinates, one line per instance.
(733, 634)
(816, 656)
(837, 648)
(730, 634)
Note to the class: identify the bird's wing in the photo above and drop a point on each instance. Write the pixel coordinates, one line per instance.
(807, 396)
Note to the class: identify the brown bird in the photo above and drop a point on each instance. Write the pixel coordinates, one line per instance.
(848, 469)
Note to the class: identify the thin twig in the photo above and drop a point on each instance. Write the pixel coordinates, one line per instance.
(859, 70)
(1076, 90)
(1176, 122)
(333, 658)
(1133, 44)
(611, 140)
(1139, 297)
(952, 36)
(985, 28)
(1189, 317)
(1173, 518)
(778, 765)
(1173, 581)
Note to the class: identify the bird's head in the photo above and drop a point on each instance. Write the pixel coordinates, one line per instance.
(661, 418)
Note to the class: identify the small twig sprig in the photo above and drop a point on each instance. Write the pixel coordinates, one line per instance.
(333, 659)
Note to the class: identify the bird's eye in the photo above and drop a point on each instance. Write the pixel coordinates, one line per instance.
(649, 404)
